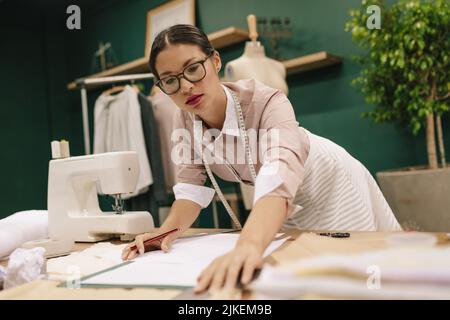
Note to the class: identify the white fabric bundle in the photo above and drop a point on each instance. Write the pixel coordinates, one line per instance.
(24, 265)
(21, 227)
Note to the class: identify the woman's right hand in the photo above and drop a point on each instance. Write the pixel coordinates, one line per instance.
(163, 244)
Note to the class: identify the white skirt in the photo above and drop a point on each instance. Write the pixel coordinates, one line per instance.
(339, 193)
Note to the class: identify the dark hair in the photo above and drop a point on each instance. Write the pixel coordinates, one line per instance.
(178, 34)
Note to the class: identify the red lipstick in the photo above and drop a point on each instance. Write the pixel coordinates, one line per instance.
(194, 99)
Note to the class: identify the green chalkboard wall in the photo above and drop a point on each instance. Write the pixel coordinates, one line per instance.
(39, 56)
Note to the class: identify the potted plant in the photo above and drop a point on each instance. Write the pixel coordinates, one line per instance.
(406, 75)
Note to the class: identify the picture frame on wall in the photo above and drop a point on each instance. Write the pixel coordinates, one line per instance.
(166, 15)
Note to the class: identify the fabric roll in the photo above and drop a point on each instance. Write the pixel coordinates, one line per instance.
(21, 227)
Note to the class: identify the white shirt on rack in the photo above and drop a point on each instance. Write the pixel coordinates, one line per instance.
(118, 127)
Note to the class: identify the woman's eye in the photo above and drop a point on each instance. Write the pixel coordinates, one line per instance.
(192, 69)
(169, 81)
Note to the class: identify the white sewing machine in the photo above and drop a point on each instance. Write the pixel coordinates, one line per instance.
(74, 213)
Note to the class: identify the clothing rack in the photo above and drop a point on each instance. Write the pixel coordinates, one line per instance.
(84, 84)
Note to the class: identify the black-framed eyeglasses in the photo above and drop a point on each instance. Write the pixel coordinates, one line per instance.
(194, 72)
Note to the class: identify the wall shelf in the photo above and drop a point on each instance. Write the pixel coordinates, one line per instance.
(219, 39)
(310, 62)
(227, 37)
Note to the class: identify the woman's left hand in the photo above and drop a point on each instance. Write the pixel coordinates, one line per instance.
(224, 271)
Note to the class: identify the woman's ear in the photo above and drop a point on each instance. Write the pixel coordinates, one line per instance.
(217, 61)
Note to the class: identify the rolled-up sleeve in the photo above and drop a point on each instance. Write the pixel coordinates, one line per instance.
(190, 171)
(283, 148)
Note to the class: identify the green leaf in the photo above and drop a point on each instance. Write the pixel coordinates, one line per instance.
(421, 44)
(423, 65)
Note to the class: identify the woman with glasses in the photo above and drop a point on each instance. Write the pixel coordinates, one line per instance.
(247, 132)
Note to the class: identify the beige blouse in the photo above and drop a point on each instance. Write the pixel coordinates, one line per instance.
(279, 146)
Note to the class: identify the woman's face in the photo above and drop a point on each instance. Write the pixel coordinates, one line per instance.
(192, 97)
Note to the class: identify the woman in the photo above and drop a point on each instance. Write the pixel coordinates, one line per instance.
(301, 180)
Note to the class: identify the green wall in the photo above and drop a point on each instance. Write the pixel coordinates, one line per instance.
(39, 56)
(24, 108)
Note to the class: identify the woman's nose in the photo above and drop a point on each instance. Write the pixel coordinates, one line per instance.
(186, 86)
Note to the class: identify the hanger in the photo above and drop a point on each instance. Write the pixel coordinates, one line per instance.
(117, 89)
(113, 90)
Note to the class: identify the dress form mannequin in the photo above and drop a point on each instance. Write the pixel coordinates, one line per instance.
(254, 64)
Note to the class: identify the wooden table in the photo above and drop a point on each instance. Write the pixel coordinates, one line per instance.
(291, 249)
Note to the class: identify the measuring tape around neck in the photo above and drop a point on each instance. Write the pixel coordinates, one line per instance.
(248, 157)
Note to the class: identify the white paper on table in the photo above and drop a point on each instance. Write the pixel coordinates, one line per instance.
(178, 268)
(96, 258)
(396, 273)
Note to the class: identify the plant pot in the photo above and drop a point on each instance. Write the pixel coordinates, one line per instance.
(419, 197)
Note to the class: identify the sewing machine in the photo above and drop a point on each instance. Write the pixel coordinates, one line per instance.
(74, 213)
